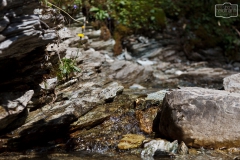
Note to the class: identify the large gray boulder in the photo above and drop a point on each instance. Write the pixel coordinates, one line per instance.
(201, 117)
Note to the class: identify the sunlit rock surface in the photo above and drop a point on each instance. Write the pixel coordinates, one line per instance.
(201, 117)
(232, 83)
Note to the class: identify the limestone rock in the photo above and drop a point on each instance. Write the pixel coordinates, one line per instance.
(201, 117)
(232, 83)
(131, 141)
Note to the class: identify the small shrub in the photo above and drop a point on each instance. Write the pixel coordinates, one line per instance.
(66, 68)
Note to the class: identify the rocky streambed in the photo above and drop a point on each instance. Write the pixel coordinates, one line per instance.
(159, 103)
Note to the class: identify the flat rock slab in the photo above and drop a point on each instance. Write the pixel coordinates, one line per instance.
(131, 141)
(202, 117)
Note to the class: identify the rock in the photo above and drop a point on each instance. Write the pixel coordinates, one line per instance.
(111, 91)
(127, 56)
(50, 17)
(94, 117)
(232, 83)
(140, 49)
(137, 86)
(131, 141)
(153, 53)
(127, 71)
(21, 32)
(213, 54)
(3, 23)
(201, 117)
(121, 56)
(158, 96)
(143, 39)
(146, 119)
(108, 59)
(206, 75)
(146, 62)
(106, 136)
(68, 104)
(178, 73)
(66, 32)
(11, 105)
(100, 45)
(49, 84)
(182, 149)
(159, 147)
(93, 34)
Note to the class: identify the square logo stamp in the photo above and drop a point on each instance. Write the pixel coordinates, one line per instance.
(226, 10)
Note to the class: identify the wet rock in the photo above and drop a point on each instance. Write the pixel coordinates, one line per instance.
(159, 147)
(106, 136)
(146, 119)
(11, 105)
(232, 83)
(201, 117)
(94, 117)
(131, 141)
(67, 105)
(182, 149)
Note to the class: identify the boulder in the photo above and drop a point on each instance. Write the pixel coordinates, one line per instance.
(201, 117)
(232, 83)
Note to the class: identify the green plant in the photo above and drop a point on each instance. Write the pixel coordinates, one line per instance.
(99, 14)
(66, 68)
(141, 14)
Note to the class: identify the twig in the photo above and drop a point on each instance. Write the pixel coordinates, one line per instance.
(65, 12)
(236, 30)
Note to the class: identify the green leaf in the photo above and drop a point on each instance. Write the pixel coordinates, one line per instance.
(94, 9)
(77, 69)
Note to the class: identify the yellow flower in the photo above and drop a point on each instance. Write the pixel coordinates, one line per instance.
(80, 35)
